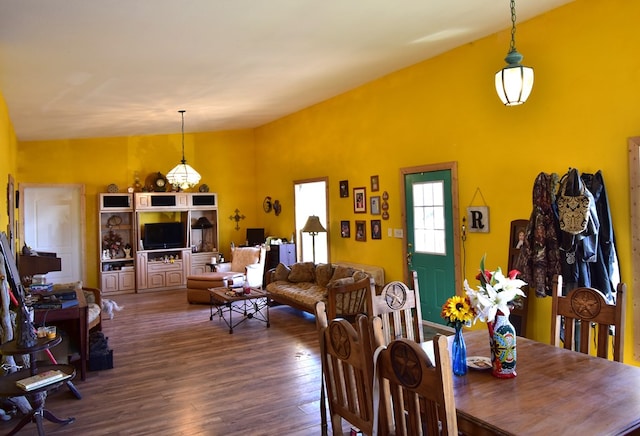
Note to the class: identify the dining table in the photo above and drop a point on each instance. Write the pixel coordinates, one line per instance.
(555, 392)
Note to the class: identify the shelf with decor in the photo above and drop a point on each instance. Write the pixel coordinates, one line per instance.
(177, 233)
(117, 243)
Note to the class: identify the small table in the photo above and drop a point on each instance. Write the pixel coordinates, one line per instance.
(37, 396)
(253, 305)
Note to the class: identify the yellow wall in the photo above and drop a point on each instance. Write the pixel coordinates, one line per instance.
(224, 159)
(580, 114)
(8, 146)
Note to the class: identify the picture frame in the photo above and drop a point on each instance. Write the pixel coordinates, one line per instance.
(361, 231)
(345, 229)
(375, 205)
(360, 200)
(518, 233)
(344, 189)
(376, 229)
(375, 183)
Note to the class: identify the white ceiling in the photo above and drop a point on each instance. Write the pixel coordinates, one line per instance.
(89, 68)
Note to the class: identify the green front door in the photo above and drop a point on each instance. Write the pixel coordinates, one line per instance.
(430, 238)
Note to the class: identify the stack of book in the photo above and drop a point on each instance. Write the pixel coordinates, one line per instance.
(42, 379)
(61, 299)
(41, 288)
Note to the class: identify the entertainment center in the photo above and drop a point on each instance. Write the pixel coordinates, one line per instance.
(152, 241)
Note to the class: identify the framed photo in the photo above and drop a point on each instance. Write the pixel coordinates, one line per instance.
(360, 200)
(376, 229)
(375, 184)
(345, 229)
(375, 205)
(361, 231)
(344, 188)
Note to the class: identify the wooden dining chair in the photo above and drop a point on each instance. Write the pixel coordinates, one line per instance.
(419, 399)
(347, 367)
(399, 310)
(598, 320)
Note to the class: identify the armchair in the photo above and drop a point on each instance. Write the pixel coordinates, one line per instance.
(246, 262)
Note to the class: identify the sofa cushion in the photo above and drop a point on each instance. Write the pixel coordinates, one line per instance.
(306, 294)
(340, 272)
(282, 272)
(324, 272)
(302, 272)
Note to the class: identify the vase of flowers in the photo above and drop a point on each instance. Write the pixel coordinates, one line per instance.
(457, 311)
(492, 300)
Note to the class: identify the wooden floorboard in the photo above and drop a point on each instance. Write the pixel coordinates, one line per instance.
(177, 373)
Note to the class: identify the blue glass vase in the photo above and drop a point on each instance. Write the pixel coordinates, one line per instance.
(459, 353)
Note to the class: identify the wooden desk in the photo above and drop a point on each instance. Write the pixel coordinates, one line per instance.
(77, 319)
(556, 392)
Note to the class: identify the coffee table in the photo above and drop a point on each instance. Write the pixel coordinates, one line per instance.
(253, 305)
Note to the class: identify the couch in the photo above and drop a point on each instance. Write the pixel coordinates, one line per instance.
(246, 263)
(343, 288)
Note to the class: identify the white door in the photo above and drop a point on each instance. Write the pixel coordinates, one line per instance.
(52, 217)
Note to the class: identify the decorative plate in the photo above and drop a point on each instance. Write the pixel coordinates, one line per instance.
(114, 220)
(480, 363)
(112, 188)
(204, 188)
(277, 207)
(266, 204)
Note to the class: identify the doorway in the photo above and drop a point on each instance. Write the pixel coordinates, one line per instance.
(432, 236)
(311, 198)
(52, 220)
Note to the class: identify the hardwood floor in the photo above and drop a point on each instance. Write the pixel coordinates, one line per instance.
(177, 373)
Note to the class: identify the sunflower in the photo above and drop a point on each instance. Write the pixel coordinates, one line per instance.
(457, 310)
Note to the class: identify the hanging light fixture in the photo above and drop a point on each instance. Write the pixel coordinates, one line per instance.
(514, 82)
(183, 176)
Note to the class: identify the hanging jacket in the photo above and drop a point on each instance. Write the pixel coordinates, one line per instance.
(539, 260)
(578, 252)
(605, 272)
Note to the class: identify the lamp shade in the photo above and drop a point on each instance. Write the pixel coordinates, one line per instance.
(514, 84)
(202, 223)
(313, 225)
(183, 176)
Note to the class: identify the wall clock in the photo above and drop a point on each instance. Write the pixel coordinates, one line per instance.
(266, 204)
(160, 183)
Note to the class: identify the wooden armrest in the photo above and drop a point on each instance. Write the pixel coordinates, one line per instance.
(349, 299)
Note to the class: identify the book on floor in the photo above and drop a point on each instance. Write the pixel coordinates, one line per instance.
(41, 379)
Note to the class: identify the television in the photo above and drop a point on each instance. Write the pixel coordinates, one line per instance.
(163, 235)
(255, 237)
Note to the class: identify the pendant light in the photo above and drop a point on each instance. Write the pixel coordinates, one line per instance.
(514, 82)
(182, 175)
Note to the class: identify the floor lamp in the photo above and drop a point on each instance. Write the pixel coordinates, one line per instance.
(313, 227)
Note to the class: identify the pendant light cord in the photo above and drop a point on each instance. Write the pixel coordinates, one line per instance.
(182, 111)
(513, 26)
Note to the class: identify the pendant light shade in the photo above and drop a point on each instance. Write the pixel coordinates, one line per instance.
(183, 176)
(515, 81)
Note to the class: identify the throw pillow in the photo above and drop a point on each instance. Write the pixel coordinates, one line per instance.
(282, 272)
(359, 275)
(341, 282)
(340, 272)
(324, 272)
(302, 272)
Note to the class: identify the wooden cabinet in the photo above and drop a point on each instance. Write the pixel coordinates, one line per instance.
(199, 262)
(117, 243)
(162, 270)
(130, 262)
